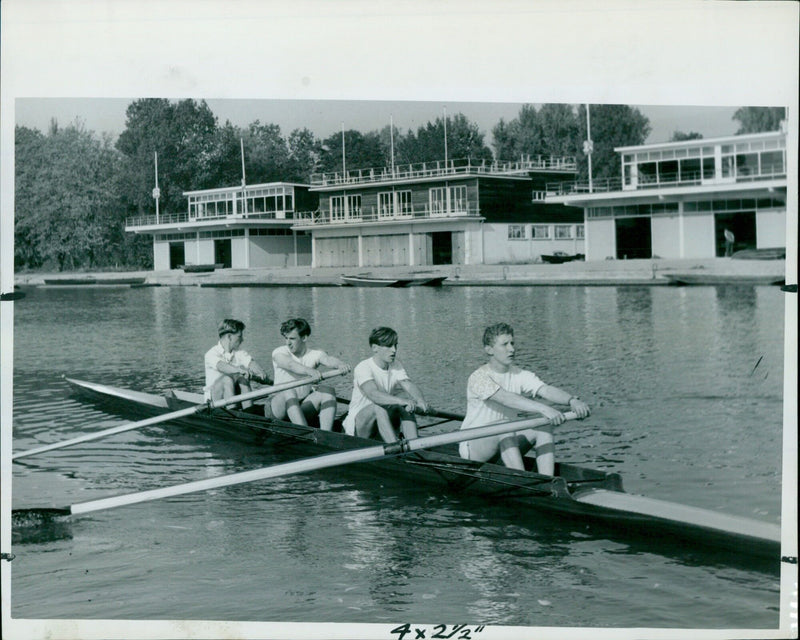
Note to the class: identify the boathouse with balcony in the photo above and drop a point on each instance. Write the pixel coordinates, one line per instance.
(232, 227)
(447, 212)
(677, 199)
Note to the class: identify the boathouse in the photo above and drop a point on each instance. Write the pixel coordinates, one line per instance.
(234, 227)
(448, 212)
(677, 199)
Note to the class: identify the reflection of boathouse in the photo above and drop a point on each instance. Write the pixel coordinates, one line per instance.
(239, 227)
(675, 200)
(453, 212)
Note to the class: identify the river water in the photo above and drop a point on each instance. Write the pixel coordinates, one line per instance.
(686, 390)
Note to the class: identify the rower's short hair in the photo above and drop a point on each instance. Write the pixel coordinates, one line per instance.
(303, 328)
(230, 326)
(494, 331)
(383, 336)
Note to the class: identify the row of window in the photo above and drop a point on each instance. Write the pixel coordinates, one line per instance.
(441, 201)
(743, 204)
(545, 231)
(216, 206)
(223, 233)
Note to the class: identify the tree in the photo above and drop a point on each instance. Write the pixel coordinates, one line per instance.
(464, 141)
(759, 119)
(680, 136)
(305, 153)
(612, 125)
(361, 151)
(68, 211)
(184, 135)
(552, 130)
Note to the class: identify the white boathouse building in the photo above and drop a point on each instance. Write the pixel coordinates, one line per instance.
(677, 199)
(232, 227)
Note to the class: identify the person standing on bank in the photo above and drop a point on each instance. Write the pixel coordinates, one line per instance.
(229, 369)
(729, 240)
(296, 360)
(497, 392)
(377, 381)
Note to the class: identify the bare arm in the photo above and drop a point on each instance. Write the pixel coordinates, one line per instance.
(559, 396)
(285, 361)
(521, 403)
(334, 363)
(416, 396)
(381, 398)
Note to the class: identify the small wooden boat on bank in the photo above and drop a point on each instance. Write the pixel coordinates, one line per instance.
(696, 278)
(367, 280)
(575, 493)
(91, 280)
(559, 257)
(201, 268)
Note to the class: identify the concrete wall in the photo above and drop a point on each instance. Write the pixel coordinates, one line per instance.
(160, 255)
(278, 251)
(498, 248)
(601, 239)
(770, 229)
(385, 251)
(666, 236)
(698, 236)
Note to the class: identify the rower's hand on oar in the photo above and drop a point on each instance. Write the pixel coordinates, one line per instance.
(554, 415)
(579, 407)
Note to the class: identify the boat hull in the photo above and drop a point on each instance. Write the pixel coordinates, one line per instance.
(714, 279)
(410, 281)
(576, 492)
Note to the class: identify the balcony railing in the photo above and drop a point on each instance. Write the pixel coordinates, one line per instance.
(684, 179)
(183, 218)
(373, 214)
(444, 169)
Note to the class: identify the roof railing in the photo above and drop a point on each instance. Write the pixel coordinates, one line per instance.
(441, 168)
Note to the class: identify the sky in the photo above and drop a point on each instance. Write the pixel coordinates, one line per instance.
(324, 117)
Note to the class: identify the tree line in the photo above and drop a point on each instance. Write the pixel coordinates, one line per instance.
(75, 188)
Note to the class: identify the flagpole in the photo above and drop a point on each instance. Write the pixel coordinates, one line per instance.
(391, 139)
(156, 191)
(344, 165)
(588, 146)
(444, 110)
(244, 181)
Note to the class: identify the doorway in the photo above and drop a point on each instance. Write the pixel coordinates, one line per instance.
(177, 255)
(743, 226)
(634, 238)
(222, 253)
(442, 247)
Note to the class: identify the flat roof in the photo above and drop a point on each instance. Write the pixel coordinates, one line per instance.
(701, 142)
(260, 185)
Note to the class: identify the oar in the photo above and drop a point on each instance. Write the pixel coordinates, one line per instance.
(180, 413)
(445, 415)
(365, 454)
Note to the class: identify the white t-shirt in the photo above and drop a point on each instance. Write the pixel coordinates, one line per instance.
(385, 379)
(311, 359)
(484, 383)
(216, 354)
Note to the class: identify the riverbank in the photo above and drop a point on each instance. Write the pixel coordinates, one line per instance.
(606, 272)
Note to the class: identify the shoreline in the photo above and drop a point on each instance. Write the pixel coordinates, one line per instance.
(643, 272)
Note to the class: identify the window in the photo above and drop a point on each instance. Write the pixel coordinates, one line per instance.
(354, 206)
(446, 200)
(540, 232)
(579, 232)
(516, 232)
(562, 231)
(404, 206)
(538, 196)
(438, 201)
(385, 204)
(337, 207)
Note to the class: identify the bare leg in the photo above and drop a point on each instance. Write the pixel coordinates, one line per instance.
(325, 406)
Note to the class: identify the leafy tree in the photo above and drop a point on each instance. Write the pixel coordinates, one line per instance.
(680, 136)
(184, 135)
(305, 153)
(552, 130)
(759, 119)
(68, 212)
(613, 125)
(362, 151)
(464, 141)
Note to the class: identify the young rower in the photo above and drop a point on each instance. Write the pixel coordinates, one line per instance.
(229, 369)
(497, 392)
(296, 360)
(376, 383)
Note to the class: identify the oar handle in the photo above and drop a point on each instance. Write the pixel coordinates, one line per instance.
(165, 417)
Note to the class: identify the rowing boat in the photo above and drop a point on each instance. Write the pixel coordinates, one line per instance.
(366, 280)
(575, 492)
(683, 279)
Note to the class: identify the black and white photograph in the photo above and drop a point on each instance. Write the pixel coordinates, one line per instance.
(398, 320)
